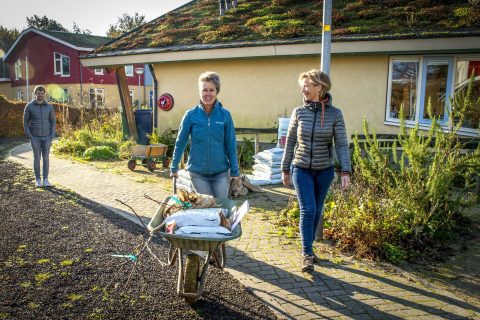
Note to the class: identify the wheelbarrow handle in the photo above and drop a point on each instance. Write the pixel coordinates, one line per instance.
(174, 185)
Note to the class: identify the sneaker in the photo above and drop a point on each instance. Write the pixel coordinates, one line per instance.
(307, 263)
(38, 183)
(46, 183)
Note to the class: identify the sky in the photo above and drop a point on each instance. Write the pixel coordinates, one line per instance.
(94, 15)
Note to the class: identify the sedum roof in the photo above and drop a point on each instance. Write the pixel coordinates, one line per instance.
(198, 25)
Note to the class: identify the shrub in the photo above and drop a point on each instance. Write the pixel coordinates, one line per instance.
(100, 153)
(167, 138)
(246, 151)
(104, 131)
(401, 203)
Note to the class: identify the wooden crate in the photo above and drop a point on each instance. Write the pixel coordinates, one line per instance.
(139, 150)
(156, 150)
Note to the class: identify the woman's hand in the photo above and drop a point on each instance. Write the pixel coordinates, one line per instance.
(286, 179)
(345, 179)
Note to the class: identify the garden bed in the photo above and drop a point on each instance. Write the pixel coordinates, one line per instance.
(56, 262)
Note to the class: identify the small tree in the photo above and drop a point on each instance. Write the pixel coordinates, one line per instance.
(44, 23)
(125, 24)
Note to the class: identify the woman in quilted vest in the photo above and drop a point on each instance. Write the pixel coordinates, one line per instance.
(315, 127)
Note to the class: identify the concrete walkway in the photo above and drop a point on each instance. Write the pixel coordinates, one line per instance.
(269, 265)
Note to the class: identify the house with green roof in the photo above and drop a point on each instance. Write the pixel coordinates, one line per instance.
(385, 55)
(51, 58)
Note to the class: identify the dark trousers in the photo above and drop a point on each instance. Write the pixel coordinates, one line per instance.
(311, 187)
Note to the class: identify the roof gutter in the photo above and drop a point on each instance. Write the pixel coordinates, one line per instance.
(404, 46)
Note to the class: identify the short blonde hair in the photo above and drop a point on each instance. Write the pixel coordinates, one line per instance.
(210, 76)
(317, 78)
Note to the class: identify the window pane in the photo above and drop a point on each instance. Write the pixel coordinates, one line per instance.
(129, 71)
(404, 89)
(436, 88)
(58, 65)
(465, 70)
(65, 66)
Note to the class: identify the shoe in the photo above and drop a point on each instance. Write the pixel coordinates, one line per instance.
(38, 183)
(307, 263)
(46, 183)
(316, 259)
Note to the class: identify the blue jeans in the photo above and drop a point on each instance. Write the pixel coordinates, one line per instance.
(312, 187)
(212, 184)
(41, 149)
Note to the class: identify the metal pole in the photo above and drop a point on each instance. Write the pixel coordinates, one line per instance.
(326, 36)
(325, 67)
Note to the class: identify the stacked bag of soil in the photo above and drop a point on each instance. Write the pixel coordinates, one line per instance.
(266, 169)
(184, 181)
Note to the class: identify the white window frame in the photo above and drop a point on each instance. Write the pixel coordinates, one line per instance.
(58, 69)
(419, 107)
(18, 69)
(20, 95)
(132, 95)
(448, 91)
(129, 70)
(97, 92)
(99, 72)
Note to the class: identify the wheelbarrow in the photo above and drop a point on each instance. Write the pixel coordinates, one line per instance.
(192, 275)
(149, 155)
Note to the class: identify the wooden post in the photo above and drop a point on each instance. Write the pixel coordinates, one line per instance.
(126, 102)
(257, 143)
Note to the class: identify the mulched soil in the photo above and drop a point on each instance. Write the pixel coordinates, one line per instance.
(56, 263)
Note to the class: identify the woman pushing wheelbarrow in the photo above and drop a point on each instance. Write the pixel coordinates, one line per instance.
(212, 163)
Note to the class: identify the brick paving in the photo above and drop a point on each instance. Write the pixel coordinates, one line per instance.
(268, 265)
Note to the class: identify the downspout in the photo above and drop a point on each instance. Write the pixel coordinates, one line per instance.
(81, 83)
(28, 97)
(155, 95)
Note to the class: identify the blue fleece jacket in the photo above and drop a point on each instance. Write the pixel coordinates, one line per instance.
(213, 147)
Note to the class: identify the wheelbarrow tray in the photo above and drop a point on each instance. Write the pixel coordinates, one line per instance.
(190, 242)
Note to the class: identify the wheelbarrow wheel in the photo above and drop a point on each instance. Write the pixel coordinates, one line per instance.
(219, 256)
(151, 165)
(192, 272)
(132, 164)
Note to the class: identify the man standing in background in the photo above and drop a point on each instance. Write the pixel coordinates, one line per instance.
(39, 124)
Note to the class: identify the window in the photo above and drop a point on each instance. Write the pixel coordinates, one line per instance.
(61, 65)
(18, 69)
(132, 95)
(20, 95)
(97, 97)
(465, 69)
(99, 72)
(129, 71)
(404, 88)
(435, 88)
(422, 82)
